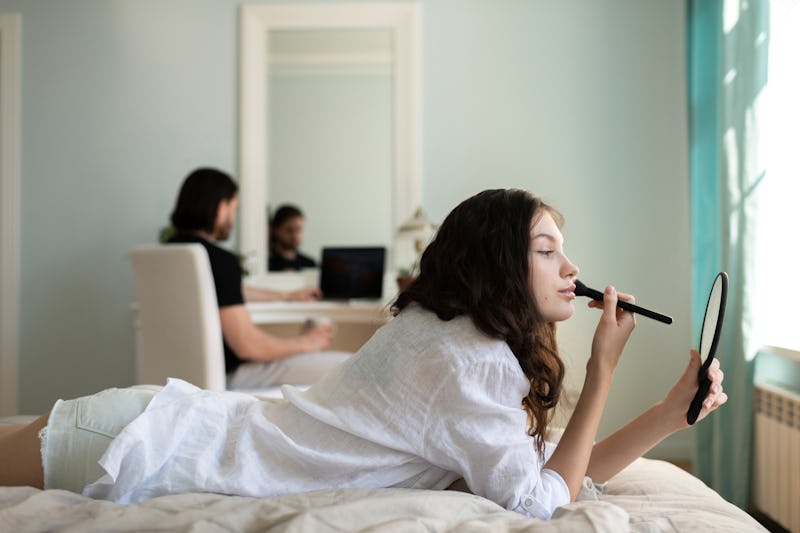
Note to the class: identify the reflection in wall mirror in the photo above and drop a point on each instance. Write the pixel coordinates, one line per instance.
(330, 95)
(329, 121)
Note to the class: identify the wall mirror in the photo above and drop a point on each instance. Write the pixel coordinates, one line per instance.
(329, 122)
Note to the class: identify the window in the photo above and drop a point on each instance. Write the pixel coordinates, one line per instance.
(777, 252)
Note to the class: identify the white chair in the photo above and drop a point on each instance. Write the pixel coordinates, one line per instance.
(179, 333)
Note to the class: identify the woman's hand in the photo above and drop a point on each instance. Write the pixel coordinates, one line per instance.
(617, 451)
(613, 330)
(677, 401)
(572, 455)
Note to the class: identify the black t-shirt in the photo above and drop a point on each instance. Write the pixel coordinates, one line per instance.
(278, 263)
(227, 274)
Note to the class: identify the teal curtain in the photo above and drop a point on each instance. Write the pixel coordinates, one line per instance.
(727, 72)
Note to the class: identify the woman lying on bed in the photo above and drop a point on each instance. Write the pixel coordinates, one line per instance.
(460, 385)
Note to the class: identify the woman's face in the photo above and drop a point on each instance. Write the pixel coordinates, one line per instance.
(552, 275)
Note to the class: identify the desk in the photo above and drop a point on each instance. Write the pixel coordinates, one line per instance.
(356, 312)
(355, 321)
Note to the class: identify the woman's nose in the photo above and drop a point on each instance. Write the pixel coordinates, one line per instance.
(570, 269)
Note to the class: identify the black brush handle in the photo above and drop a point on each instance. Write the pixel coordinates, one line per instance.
(583, 290)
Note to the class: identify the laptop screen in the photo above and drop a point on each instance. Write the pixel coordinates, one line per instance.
(355, 272)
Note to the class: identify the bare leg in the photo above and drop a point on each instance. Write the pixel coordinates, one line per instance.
(21, 463)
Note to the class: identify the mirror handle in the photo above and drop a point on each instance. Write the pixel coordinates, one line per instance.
(699, 396)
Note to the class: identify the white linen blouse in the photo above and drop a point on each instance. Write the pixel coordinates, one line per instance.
(423, 403)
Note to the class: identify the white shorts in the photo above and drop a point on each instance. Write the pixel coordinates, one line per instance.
(79, 431)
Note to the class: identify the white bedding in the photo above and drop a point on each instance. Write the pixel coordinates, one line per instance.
(649, 496)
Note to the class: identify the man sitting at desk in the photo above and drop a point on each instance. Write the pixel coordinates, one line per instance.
(204, 213)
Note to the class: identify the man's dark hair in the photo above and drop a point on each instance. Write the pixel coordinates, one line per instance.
(284, 213)
(199, 198)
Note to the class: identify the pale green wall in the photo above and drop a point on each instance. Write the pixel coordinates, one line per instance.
(582, 102)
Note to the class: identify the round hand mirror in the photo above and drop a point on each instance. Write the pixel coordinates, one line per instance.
(709, 338)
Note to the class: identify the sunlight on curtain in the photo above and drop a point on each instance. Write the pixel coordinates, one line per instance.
(778, 245)
(727, 66)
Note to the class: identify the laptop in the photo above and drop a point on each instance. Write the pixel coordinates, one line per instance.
(352, 273)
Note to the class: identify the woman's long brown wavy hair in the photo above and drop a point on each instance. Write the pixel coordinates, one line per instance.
(478, 265)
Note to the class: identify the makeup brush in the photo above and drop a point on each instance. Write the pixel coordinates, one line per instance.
(583, 290)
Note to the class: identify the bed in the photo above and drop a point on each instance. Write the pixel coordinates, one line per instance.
(648, 496)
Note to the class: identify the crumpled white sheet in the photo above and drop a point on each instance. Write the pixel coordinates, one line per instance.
(379, 510)
(649, 496)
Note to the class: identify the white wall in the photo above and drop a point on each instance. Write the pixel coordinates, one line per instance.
(582, 102)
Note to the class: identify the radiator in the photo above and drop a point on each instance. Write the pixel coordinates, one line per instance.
(776, 467)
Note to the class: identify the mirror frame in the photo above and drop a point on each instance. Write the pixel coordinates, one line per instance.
(703, 383)
(256, 23)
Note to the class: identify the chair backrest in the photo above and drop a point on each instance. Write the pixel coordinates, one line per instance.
(179, 333)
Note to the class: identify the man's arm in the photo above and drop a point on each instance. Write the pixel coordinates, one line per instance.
(308, 294)
(251, 343)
